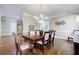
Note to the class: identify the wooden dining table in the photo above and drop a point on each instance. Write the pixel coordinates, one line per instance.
(33, 40)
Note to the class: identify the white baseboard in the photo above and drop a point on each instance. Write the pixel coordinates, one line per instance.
(6, 35)
(60, 37)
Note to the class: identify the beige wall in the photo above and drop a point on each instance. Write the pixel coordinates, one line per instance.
(63, 31)
(29, 21)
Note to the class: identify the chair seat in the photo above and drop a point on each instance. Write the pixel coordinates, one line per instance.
(24, 46)
(40, 42)
(24, 43)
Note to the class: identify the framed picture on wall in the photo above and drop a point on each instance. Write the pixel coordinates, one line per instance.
(31, 27)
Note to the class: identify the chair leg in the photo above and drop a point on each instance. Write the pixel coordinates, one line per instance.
(20, 52)
(32, 51)
(16, 49)
(49, 44)
(53, 41)
(68, 39)
(43, 50)
(16, 52)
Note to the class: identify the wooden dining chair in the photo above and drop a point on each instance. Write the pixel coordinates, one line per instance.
(37, 33)
(52, 33)
(44, 42)
(20, 47)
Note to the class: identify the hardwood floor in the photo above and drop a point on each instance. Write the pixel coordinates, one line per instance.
(65, 46)
(61, 47)
(7, 45)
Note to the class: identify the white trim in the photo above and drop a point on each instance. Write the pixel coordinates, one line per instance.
(8, 19)
(59, 37)
(6, 34)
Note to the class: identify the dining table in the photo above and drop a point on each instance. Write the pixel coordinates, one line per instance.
(33, 40)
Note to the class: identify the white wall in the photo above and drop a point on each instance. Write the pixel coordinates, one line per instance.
(0, 26)
(8, 26)
(63, 31)
(29, 21)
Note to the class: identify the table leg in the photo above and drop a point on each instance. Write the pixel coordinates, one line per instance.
(33, 47)
(34, 51)
(68, 39)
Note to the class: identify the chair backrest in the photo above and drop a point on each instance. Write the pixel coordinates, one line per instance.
(46, 35)
(17, 42)
(52, 33)
(37, 33)
(16, 37)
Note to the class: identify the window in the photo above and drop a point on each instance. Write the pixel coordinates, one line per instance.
(44, 25)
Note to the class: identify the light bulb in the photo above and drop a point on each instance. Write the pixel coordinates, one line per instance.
(46, 17)
(41, 15)
(36, 17)
(40, 21)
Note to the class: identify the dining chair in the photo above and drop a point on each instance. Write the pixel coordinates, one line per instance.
(37, 33)
(52, 33)
(20, 47)
(44, 42)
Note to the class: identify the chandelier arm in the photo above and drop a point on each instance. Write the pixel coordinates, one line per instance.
(40, 8)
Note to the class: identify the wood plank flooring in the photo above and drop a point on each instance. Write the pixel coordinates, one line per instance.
(61, 47)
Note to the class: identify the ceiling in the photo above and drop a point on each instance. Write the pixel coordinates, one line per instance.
(50, 10)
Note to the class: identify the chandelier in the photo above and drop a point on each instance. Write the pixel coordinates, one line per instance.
(41, 17)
